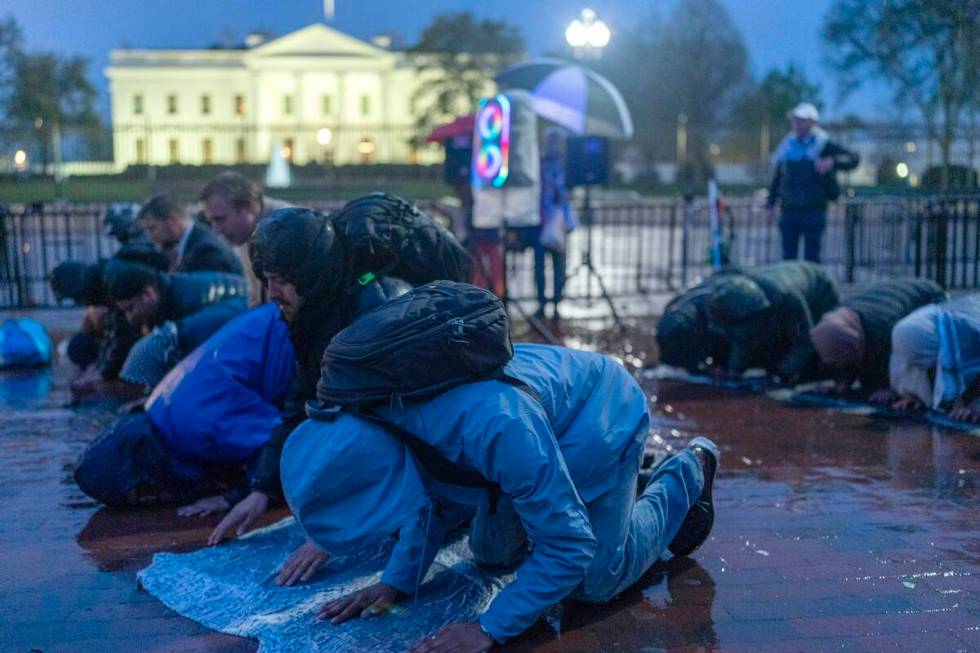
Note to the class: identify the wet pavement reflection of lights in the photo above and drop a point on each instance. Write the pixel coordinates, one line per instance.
(833, 531)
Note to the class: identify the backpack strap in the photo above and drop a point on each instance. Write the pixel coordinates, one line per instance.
(431, 459)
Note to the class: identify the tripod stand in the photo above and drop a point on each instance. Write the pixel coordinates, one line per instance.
(589, 267)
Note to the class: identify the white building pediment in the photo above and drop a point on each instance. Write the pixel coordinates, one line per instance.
(317, 40)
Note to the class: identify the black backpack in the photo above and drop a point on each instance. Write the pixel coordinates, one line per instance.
(385, 235)
(431, 339)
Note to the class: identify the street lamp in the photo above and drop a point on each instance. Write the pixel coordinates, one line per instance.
(587, 35)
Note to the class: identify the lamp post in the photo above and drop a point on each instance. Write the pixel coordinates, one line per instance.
(587, 35)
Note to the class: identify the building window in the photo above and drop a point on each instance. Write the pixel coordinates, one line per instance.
(174, 151)
(365, 105)
(172, 104)
(140, 150)
(137, 105)
(239, 105)
(206, 105)
(287, 105)
(326, 105)
(207, 150)
(366, 149)
(240, 150)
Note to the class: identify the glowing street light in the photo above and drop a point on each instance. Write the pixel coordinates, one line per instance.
(902, 170)
(587, 34)
(20, 160)
(323, 136)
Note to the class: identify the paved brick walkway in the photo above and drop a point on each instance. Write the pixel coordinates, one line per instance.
(833, 532)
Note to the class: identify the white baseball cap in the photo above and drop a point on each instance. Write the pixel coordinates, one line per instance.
(805, 111)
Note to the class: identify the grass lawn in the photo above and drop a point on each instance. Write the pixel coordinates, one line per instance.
(102, 189)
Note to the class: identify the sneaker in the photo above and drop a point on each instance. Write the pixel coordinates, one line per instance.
(700, 518)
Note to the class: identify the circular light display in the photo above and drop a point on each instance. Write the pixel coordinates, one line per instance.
(490, 122)
(488, 161)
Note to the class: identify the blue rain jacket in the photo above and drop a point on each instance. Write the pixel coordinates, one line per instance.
(349, 482)
(221, 402)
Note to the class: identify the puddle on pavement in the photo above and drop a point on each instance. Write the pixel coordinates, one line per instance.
(820, 515)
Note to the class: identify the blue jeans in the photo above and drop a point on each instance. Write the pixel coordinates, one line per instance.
(632, 532)
(808, 223)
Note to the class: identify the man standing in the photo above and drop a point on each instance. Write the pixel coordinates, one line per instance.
(192, 247)
(805, 181)
(234, 206)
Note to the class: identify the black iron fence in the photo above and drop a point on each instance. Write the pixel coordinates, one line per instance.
(639, 247)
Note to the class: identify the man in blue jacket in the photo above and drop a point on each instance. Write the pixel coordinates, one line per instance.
(566, 463)
(204, 423)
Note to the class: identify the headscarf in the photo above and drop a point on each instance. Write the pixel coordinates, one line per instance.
(915, 349)
(839, 338)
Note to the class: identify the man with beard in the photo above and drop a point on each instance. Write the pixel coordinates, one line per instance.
(322, 272)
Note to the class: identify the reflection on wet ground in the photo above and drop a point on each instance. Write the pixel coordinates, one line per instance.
(833, 531)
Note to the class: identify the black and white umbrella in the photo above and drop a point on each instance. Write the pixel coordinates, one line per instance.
(572, 96)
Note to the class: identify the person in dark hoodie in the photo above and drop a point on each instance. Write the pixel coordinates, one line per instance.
(684, 338)
(766, 315)
(853, 341)
(191, 246)
(176, 311)
(322, 272)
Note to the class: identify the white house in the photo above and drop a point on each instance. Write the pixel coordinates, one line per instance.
(317, 93)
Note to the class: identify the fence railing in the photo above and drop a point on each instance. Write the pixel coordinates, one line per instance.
(639, 247)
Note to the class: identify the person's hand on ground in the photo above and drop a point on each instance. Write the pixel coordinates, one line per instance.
(87, 381)
(965, 412)
(459, 638)
(205, 506)
(305, 561)
(824, 165)
(883, 397)
(371, 601)
(241, 517)
(908, 404)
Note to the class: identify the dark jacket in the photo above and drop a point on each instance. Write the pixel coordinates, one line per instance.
(879, 308)
(683, 335)
(797, 186)
(200, 303)
(310, 344)
(207, 251)
(777, 337)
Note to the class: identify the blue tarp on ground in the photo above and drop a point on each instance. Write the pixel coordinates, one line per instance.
(232, 588)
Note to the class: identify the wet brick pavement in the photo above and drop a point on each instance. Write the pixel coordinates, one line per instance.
(833, 532)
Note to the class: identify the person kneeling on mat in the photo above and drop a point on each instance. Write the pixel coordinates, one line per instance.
(428, 417)
(935, 359)
(204, 423)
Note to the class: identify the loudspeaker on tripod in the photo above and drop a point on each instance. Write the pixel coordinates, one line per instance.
(586, 161)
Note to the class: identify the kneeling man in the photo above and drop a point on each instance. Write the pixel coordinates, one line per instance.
(558, 436)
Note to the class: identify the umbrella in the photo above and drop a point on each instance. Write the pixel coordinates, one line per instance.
(572, 96)
(462, 125)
